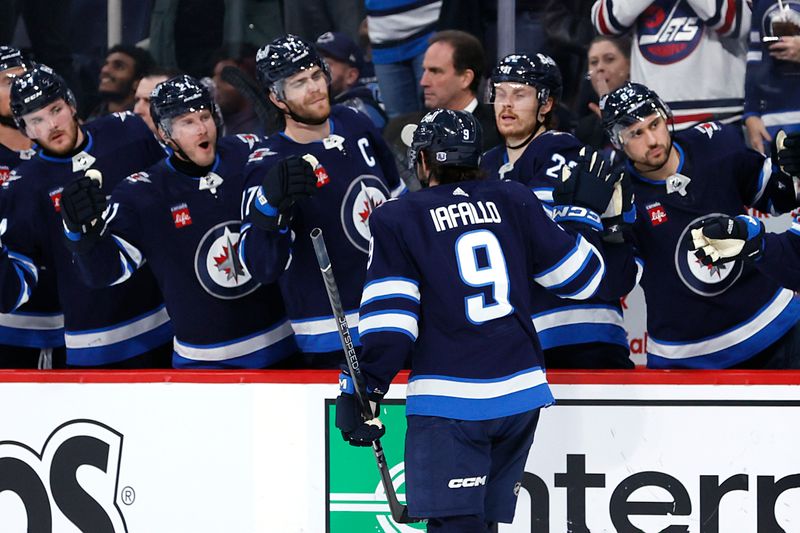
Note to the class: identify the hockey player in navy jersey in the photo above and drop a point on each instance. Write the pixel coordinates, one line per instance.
(721, 239)
(346, 171)
(183, 216)
(32, 336)
(125, 326)
(698, 315)
(524, 91)
(447, 286)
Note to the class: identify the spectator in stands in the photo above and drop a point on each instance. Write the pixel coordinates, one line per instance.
(609, 60)
(675, 41)
(398, 33)
(309, 18)
(453, 68)
(346, 62)
(124, 66)
(771, 98)
(146, 85)
(237, 109)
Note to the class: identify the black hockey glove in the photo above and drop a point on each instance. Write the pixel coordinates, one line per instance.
(787, 153)
(82, 207)
(621, 212)
(285, 183)
(350, 419)
(722, 239)
(590, 184)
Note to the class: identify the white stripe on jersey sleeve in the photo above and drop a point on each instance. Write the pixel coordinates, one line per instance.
(398, 321)
(384, 288)
(569, 266)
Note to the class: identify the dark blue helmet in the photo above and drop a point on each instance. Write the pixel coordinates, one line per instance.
(450, 138)
(12, 58)
(284, 57)
(35, 89)
(178, 96)
(628, 105)
(538, 71)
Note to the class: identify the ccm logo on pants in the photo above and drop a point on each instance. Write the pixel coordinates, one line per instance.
(466, 482)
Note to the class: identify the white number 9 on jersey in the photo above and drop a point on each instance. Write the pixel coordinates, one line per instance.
(484, 270)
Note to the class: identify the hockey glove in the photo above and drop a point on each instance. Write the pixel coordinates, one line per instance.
(285, 183)
(787, 153)
(350, 418)
(590, 184)
(722, 239)
(82, 207)
(621, 212)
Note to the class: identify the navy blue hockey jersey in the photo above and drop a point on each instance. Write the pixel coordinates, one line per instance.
(558, 322)
(187, 229)
(102, 326)
(37, 321)
(700, 316)
(447, 283)
(359, 174)
(780, 259)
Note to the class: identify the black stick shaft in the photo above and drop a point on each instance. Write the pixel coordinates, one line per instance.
(398, 510)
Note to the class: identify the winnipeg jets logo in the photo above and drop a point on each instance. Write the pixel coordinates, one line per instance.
(248, 138)
(260, 154)
(666, 38)
(139, 177)
(697, 277)
(708, 128)
(217, 265)
(362, 197)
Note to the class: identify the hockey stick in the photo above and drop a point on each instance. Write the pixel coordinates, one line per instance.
(250, 90)
(398, 510)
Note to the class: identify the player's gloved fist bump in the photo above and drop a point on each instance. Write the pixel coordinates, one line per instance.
(286, 182)
(589, 184)
(722, 239)
(82, 207)
(621, 211)
(349, 417)
(787, 152)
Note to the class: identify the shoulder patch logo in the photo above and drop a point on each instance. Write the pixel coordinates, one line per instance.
(261, 153)
(139, 177)
(248, 138)
(708, 128)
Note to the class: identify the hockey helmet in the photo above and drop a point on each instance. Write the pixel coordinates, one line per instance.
(12, 58)
(35, 89)
(629, 105)
(284, 57)
(178, 96)
(452, 138)
(538, 70)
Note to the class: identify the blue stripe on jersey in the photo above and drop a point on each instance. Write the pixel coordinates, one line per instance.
(755, 338)
(390, 287)
(401, 52)
(480, 409)
(582, 333)
(262, 358)
(395, 320)
(324, 342)
(32, 330)
(120, 341)
(477, 399)
(114, 353)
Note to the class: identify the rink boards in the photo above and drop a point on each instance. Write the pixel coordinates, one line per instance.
(257, 452)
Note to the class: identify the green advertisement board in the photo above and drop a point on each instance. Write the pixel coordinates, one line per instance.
(355, 499)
